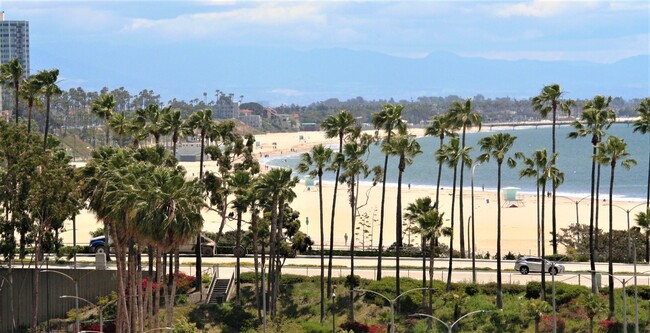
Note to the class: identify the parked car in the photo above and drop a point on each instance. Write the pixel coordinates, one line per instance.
(208, 246)
(528, 264)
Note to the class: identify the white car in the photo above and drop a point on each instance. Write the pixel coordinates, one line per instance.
(528, 264)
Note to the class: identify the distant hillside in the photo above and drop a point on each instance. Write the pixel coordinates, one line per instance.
(305, 77)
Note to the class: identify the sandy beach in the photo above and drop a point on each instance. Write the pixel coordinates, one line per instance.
(518, 222)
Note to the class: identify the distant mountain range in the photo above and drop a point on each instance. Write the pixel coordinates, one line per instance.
(281, 76)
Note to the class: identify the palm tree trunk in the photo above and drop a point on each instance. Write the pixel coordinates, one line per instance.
(381, 216)
(160, 285)
(29, 117)
(398, 222)
(170, 310)
(256, 262)
(238, 269)
(354, 220)
(647, 196)
(553, 215)
(424, 270)
(451, 238)
(543, 242)
(597, 212)
(610, 264)
(322, 247)
(329, 264)
(197, 250)
(47, 121)
(461, 215)
(499, 287)
(592, 254)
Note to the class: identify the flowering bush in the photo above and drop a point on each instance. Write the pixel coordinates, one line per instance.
(355, 327)
(609, 326)
(108, 327)
(184, 283)
(546, 324)
(377, 329)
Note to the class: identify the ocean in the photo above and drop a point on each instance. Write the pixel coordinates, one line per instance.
(574, 160)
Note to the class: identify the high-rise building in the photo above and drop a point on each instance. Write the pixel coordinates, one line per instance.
(14, 43)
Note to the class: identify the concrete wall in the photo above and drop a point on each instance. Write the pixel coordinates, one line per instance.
(92, 283)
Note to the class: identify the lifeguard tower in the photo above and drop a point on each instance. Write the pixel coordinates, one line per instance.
(510, 198)
(310, 183)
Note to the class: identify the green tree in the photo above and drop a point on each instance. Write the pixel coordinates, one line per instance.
(642, 125)
(173, 124)
(30, 91)
(593, 305)
(120, 125)
(548, 101)
(388, 119)
(47, 80)
(497, 146)
(405, 147)
(441, 126)
(612, 152)
(451, 154)
(336, 126)
(10, 74)
(594, 120)
(104, 107)
(536, 308)
(319, 158)
(643, 221)
(464, 117)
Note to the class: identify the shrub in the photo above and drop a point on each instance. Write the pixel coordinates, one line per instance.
(471, 289)
(355, 327)
(546, 324)
(510, 256)
(533, 289)
(352, 281)
(184, 283)
(313, 327)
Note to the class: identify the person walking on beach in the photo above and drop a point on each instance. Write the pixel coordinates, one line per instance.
(346, 239)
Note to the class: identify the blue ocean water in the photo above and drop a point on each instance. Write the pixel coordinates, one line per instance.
(574, 160)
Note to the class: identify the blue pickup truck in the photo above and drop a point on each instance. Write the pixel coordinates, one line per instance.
(208, 246)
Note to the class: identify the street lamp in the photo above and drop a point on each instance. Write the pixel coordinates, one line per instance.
(333, 311)
(391, 302)
(450, 328)
(76, 293)
(99, 308)
(473, 234)
(629, 238)
(576, 202)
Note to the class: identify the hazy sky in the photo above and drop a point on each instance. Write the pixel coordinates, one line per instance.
(82, 38)
(598, 31)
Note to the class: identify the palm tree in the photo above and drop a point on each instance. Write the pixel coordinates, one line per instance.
(418, 212)
(120, 125)
(643, 221)
(31, 88)
(241, 182)
(388, 119)
(277, 185)
(319, 158)
(405, 147)
(549, 99)
(173, 124)
(537, 308)
(104, 107)
(202, 121)
(593, 305)
(336, 126)
(642, 125)
(464, 117)
(451, 154)
(154, 120)
(497, 146)
(11, 73)
(595, 118)
(613, 151)
(47, 81)
(441, 126)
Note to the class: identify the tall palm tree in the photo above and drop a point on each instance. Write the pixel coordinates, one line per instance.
(405, 147)
(104, 107)
(120, 125)
(241, 182)
(643, 221)
(544, 169)
(464, 117)
(336, 126)
(388, 119)
(172, 123)
(594, 120)
(441, 126)
(498, 146)
(549, 100)
(418, 212)
(11, 73)
(277, 185)
(612, 152)
(202, 121)
(642, 125)
(30, 90)
(319, 158)
(154, 120)
(451, 154)
(47, 80)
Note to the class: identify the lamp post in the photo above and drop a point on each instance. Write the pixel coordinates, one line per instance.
(450, 328)
(391, 302)
(333, 311)
(76, 293)
(576, 202)
(553, 273)
(473, 234)
(629, 237)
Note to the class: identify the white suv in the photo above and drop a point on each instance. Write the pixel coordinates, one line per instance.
(527, 264)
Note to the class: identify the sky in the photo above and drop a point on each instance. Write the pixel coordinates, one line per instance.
(593, 31)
